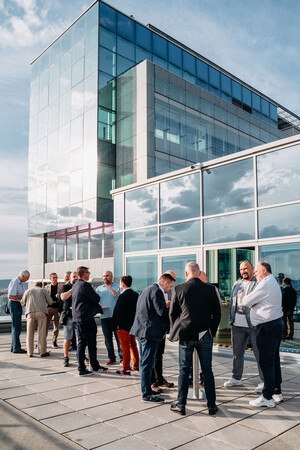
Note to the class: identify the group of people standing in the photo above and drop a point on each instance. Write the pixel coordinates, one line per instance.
(191, 315)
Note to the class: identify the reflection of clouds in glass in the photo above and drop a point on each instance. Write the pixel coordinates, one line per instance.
(180, 234)
(229, 187)
(236, 227)
(278, 175)
(141, 207)
(180, 198)
(283, 221)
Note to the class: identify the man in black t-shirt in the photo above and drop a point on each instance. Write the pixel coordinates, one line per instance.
(66, 315)
(53, 290)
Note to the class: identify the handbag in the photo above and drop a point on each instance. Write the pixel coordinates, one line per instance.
(6, 309)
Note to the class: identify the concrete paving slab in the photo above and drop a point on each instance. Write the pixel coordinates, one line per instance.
(288, 440)
(28, 401)
(69, 422)
(14, 392)
(108, 411)
(168, 436)
(54, 409)
(135, 423)
(63, 393)
(207, 443)
(241, 437)
(129, 443)
(84, 402)
(95, 436)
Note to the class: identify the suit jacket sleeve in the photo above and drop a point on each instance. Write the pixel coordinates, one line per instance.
(159, 303)
(175, 309)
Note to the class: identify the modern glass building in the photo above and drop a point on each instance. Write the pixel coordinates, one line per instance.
(115, 102)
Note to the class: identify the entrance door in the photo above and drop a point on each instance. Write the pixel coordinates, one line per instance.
(222, 268)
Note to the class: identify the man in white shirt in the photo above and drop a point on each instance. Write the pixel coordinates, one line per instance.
(242, 330)
(266, 315)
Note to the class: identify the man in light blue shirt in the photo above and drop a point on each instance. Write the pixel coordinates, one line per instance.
(109, 292)
(16, 289)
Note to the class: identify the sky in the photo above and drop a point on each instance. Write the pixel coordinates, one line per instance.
(257, 40)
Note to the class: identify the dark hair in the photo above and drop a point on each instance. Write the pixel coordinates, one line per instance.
(166, 276)
(81, 270)
(53, 274)
(246, 261)
(39, 284)
(266, 265)
(127, 280)
(287, 281)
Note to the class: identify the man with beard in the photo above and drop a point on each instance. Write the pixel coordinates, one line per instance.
(242, 331)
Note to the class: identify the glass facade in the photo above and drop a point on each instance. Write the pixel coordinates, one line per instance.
(215, 215)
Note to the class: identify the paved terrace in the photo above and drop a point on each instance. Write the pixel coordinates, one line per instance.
(44, 405)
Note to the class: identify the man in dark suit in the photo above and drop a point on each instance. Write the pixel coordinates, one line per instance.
(85, 305)
(150, 326)
(195, 316)
(122, 321)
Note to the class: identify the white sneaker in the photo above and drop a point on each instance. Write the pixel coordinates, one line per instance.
(277, 398)
(259, 388)
(233, 382)
(262, 401)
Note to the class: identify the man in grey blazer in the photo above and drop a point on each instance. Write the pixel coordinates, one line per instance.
(150, 325)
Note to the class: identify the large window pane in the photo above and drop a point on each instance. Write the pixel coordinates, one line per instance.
(143, 37)
(229, 187)
(125, 27)
(118, 212)
(143, 270)
(282, 221)
(50, 249)
(118, 255)
(141, 207)
(278, 176)
(177, 264)
(60, 248)
(108, 17)
(180, 198)
(96, 244)
(139, 240)
(183, 234)
(160, 46)
(234, 227)
(71, 247)
(83, 246)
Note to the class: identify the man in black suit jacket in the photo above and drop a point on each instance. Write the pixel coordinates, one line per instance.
(122, 321)
(150, 326)
(195, 316)
(85, 305)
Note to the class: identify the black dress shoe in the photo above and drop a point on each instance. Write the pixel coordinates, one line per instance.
(175, 408)
(21, 350)
(213, 411)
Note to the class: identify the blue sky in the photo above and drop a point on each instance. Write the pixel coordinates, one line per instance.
(257, 40)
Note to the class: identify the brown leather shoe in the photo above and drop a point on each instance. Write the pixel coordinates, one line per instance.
(155, 388)
(166, 384)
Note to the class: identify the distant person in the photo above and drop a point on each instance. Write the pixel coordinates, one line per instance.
(123, 317)
(150, 325)
(66, 315)
(67, 276)
(242, 330)
(266, 315)
(289, 300)
(109, 292)
(85, 305)
(280, 278)
(16, 290)
(195, 315)
(36, 301)
(53, 290)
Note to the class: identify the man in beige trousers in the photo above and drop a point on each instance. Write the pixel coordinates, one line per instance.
(36, 301)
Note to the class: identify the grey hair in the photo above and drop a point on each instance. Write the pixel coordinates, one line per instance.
(24, 273)
(192, 266)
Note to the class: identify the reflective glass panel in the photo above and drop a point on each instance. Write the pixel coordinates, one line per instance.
(83, 246)
(278, 176)
(160, 46)
(177, 264)
(139, 240)
(118, 212)
(282, 221)
(125, 27)
(141, 207)
(118, 255)
(108, 243)
(202, 70)
(180, 198)
(214, 77)
(71, 247)
(143, 270)
(60, 249)
(143, 37)
(175, 55)
(50, 249)
(189, 63)
(229, 187)
(234, 227)
(108, 17)
(236, 90)
(180, 234)
(225, 84)
(96, 244)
